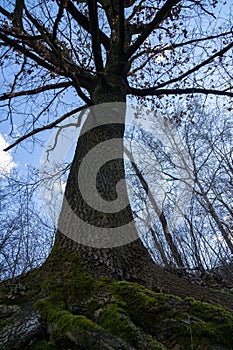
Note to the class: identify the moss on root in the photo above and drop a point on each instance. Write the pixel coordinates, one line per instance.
(5, 322)
(78, 309)
(43, 344)
(115, 320)
(76, 302)
(192, 324)
(211, 324)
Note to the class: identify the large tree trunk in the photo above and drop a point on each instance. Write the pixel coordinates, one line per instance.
(62, 306)
(107, 242)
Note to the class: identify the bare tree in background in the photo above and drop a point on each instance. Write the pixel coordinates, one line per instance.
(203, 238)
(26, 234)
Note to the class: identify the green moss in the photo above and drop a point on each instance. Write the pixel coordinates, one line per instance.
(207, 311)
(5, 322)
(113, 315)
(216, 325)
(43, 345)
(63, 323)
(170, 319)
(145, 308)
(46, 307)
(93, 305)
(142, 318)
(66, 322)
(66, 273)
(115, 321)
(154, 344)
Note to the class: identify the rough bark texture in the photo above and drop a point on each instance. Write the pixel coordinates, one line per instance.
(130, 261)
(24, 326)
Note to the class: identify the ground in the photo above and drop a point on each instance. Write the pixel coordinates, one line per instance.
(73, 310)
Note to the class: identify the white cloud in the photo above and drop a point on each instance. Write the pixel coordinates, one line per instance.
(160, 58)
(6, 160)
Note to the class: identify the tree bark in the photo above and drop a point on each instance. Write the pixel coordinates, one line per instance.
(122, 256)
(24, 326)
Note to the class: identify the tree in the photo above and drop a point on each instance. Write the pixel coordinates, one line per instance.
(103, 51)
(203, 236)
(26, 233)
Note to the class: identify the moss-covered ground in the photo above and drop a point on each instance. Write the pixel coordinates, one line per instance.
(77, 309)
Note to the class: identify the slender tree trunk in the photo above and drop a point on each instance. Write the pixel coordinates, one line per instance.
(121, 254)
(159, 212)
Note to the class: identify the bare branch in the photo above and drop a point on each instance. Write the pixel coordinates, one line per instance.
(197, 67)
(45, 127)
(35, 91)
(58, 19)
(198, 3)
(85, 24)
(157, 209)
(18, 15)
(21, 36)
(26, 52)
(159, 92)
(94, 29)
(5, 12)
(69, 73)
(163, 48)
(56, 53)
(159, 17)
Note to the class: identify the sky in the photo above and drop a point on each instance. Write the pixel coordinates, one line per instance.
(6, 159)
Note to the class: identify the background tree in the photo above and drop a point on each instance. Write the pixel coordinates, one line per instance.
(27, 234)
(203, 238)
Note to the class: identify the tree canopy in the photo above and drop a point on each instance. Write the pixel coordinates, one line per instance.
(54, 49)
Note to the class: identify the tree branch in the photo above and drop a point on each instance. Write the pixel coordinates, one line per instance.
(58, 19)
(159, 211)
(35, 91)
(197, 67)
(159, 49)
(23, 50)
(45, 127)
(5, 12)
(62, 59)
(85, 23)
(159, 17)
(73, 72)
(94, 29)
(18, 15)
(158, 92)
(21, 36)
